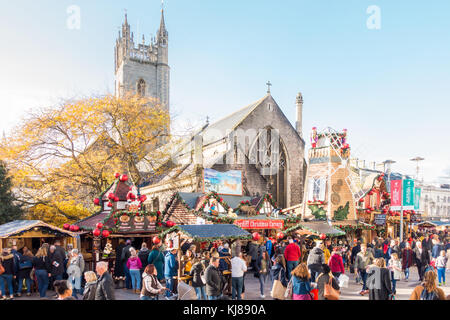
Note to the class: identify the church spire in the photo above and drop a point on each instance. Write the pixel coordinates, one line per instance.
(162, 32)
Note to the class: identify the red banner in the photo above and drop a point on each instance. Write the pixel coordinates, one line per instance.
(396, 194)
(260, 224)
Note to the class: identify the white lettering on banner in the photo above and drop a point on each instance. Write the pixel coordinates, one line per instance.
(260, 224)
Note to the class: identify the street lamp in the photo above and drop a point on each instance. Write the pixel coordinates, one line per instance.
(417, 160)
(387, 169)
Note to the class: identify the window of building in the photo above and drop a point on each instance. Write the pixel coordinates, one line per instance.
(316, 189)
(141, 88)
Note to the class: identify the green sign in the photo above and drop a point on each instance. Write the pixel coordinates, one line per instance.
(408, 194)
(417, 194)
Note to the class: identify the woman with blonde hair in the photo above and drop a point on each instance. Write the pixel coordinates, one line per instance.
(428, 289)
(395, 266)
(90, 286)
(378, 280)
(41, 265)
(301, 283)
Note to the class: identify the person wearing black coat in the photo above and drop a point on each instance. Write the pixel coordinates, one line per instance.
(197, 270)
(422, 259)
(90, 290)
(105, 284)
(214, 281)
(119, 273)
(143, 256)
(379, 281)
(41, 265)
(427, 243)
(25, 267)
(56, 264)
(279, 271)
(325, 278)
(125, 255)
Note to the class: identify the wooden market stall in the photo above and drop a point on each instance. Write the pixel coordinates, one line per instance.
(122, 215)
(200, 234)
(254, 214)
(33, 233)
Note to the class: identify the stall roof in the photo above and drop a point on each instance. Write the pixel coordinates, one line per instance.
(191, 199)
(215, 231)
(91, 221)
(434, 223)
(318, 227)
(11, 228)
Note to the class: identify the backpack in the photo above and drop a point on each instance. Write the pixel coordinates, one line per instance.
(25, 264)
(425, 295)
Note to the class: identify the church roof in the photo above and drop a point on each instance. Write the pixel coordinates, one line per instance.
(229, 123)
(211, 133)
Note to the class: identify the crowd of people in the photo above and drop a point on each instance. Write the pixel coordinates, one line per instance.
(305, 268)
(52, 268)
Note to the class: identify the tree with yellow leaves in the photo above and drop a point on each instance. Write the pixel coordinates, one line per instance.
(62, 157)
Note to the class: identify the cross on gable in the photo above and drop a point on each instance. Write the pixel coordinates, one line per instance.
(268, 86)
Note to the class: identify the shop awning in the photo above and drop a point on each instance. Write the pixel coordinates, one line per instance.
(211, 232)
(17, 227)
(317, 228)
(433, 224)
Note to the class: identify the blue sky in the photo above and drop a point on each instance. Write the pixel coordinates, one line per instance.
(390, 87)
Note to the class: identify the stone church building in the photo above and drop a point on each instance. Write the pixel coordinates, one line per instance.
(257, 140)
(143, 68)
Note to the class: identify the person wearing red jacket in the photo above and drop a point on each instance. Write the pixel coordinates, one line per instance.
(336, 263)
(292, 254)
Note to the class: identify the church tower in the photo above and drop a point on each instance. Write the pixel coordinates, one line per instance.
(142, 68)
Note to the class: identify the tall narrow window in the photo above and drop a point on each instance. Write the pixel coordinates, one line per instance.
(141, 88)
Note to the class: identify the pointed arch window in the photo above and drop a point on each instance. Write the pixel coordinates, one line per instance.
(141, 88)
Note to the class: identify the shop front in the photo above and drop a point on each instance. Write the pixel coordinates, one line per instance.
(33, 233)
(122, 216)
(200, 234)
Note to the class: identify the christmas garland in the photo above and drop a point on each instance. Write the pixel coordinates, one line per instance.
(333, 135)
(244, 203)
(300, 226)
(163, 234)
(217, 198)
(267, 197)
(349, 228)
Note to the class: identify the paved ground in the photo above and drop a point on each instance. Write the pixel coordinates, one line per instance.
(404, 289)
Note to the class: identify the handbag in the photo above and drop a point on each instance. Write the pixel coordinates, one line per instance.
(288, 292)
(329, 292)
(278, 290)
(2, 269)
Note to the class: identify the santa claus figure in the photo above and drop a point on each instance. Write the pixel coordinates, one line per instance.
(314, 137)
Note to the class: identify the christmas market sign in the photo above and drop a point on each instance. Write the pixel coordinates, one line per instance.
(379, 219)
(132, 221)
(260, 224)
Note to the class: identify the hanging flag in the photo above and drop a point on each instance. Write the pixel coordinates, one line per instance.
(408, 194)
(396, 194)
(417, 195)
